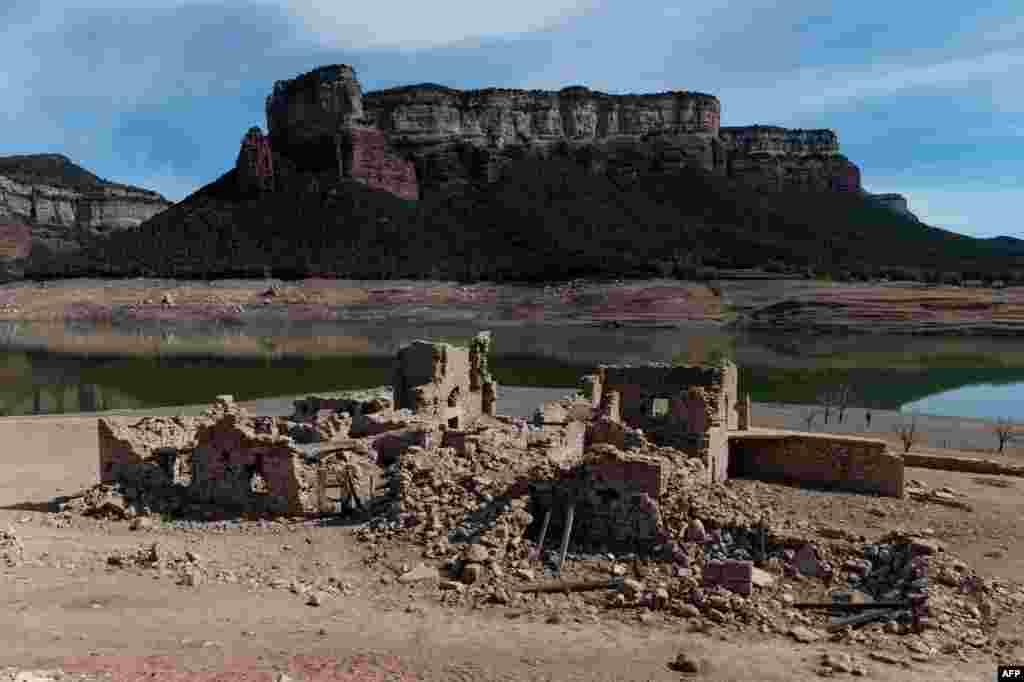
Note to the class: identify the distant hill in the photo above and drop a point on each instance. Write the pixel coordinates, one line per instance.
(541, 220)
(56, 170)
(1008, 245)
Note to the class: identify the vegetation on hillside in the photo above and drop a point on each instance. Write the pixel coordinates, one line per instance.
(56, 170)
(548, 220)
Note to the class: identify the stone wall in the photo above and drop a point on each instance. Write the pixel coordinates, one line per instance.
(236, 467)
(615, 500)
(445, 382)
(690, 415)
(151, 449)
(826, 460)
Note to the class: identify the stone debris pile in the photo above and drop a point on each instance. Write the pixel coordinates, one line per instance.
(12, 551)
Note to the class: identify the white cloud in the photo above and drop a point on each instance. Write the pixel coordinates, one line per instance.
(416, 24)
(888, 79)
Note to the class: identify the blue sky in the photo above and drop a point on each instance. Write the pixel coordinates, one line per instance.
(926, 96)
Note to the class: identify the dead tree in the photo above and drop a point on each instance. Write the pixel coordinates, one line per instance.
(827, 400)
(908, 433)
(809, 419)
(1006, 431)
(843, 395)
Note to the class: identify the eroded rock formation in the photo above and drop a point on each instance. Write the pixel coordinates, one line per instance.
(428, 137)
(60, 203)
(897, 203)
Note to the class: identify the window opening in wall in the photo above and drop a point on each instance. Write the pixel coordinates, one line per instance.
(168, 461)
(257, 481)
(659, 407)
(453, 397)
(453, 423)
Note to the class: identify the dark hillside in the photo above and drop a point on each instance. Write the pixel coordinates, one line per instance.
(542, 220)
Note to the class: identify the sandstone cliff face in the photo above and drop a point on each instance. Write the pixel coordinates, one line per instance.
(37, 208)
(437, 138)
(773, 158)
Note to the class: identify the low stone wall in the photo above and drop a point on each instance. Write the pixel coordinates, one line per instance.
(836, 462)
(969, 466)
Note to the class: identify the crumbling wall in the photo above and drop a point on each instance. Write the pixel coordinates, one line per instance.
(615, 499)
(445, 382)
(308, 408)
(657, 398)
(236, 467)
(151, 449)
(829, 461)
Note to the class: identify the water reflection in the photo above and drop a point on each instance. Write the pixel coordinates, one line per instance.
(982, 401)
(88, 367)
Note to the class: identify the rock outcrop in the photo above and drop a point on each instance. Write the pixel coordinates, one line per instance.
(427, 137)
(897, 203)
(45, 199)
(773, 158)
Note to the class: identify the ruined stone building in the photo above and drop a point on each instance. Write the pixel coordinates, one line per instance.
(606, 452)
(446, 382)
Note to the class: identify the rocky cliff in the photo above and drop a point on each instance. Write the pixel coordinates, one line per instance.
(428, 137)
(897, 203)
(49, 202)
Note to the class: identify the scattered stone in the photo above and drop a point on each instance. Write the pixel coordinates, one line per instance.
(12, 551)
(141, 523)
(472, 573)
(315, 598)
(631, 589)
(476, 554)
(695, 532)
(661, 598)
(419, 573)
(837, 661)
(804, 634)
(191, 578)
(761, 578)
(686, 664)
(885, 657)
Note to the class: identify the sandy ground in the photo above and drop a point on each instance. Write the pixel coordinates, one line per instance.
(65, 609)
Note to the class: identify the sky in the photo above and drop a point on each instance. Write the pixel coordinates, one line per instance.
(926, 96)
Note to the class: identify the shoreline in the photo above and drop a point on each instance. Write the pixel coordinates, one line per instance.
(759, 305)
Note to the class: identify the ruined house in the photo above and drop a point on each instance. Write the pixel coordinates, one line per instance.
(604, 453)
(451, 384)
(691, 407)
(230, 460)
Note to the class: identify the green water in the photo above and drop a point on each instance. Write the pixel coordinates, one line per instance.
(71, 369)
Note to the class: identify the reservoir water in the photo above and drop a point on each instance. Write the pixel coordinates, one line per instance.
(58, 368)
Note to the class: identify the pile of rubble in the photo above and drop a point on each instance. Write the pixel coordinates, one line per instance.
(12, 551)
(187, 566)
